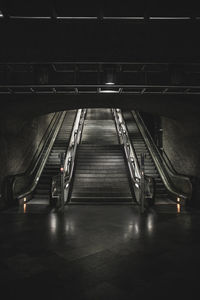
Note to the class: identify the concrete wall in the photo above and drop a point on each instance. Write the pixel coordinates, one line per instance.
(181, 142)
(19, 139)
(180, 138)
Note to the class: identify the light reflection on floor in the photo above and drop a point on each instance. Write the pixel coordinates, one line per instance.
(99, 251)
(133, 226)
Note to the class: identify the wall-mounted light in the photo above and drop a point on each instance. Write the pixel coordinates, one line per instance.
(109, 75)
(1, 14)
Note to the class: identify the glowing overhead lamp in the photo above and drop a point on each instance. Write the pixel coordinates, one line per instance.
(109, 76)
(109, 80)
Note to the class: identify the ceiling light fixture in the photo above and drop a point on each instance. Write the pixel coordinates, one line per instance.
(109, 76)
(110, 83)
(76, 18)
(169, 18)
(123, 18)
(30, 18)
(109, 91)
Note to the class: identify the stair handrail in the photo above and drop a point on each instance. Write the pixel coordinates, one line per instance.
(133, 164)
(38, 167)
(178, 185)
(66, 174)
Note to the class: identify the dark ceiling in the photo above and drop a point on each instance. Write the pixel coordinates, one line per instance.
(161, 31)
(104, 8)
(99, 77)
(62, 47)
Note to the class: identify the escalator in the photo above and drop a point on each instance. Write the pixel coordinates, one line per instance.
(42, 192)
(101, 171)
(162, 195)
(103, 165)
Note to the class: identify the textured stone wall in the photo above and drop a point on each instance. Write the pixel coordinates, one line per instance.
(180, 139)
(181, 142)
(19, 139)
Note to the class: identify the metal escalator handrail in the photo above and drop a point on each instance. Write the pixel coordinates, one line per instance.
(168, 176)
(68, 168)
(40, 148)
(10, 180)
(171, 169)
(123, 132)
(34, 163)
(133, 164)
(74, 141)
(41, 160)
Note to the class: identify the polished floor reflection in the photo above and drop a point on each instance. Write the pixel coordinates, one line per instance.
(99, 252)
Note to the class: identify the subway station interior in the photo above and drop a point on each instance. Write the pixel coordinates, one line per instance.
(99, 149)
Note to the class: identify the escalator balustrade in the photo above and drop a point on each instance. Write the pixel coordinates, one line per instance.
(42, 192)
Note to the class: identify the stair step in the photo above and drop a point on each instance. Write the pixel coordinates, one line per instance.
(100, 166)
(100, 180)
(101, 195)
(101, 199)
(99, 175)
(113, 172)
(102, 188)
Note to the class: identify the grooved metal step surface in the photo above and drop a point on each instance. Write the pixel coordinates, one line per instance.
(101, 173)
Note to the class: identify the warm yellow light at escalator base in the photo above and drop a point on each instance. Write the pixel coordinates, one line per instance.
(178, 208)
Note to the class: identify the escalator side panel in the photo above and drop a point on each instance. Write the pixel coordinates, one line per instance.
(138, 143)
(42, 191)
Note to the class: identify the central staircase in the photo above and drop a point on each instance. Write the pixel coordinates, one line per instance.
(101, 172)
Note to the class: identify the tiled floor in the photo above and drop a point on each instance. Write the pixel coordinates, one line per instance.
(99, 252)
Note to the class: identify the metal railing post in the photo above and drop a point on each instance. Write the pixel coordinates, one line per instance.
(67, 162)
(62, 159)
(130, 153)
(142, 184)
